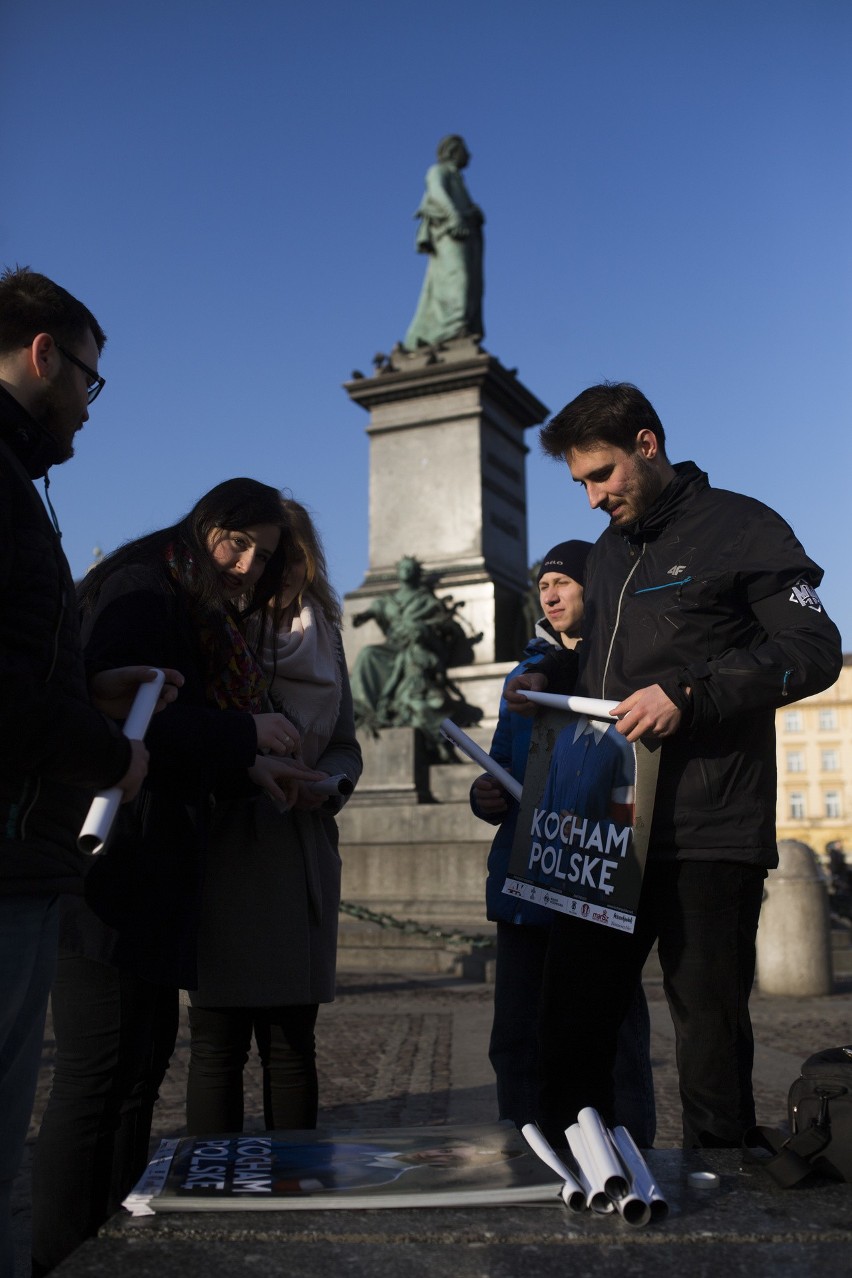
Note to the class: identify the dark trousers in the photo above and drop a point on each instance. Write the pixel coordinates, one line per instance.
(28, 928)
(704, 915)
(221, 1042)
(513, 1049)
(114, 1035)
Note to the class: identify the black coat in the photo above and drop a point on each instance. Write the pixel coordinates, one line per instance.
(55, 748)
(146, 885)
(710, 591)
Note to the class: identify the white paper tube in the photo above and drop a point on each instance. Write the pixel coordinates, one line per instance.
(596, 1196)
(589, 706)
(573, 1194)
(105, 805)
(633, 1210)
(339, 784)
(609, 1170)
(473, 751)
(641, 1178)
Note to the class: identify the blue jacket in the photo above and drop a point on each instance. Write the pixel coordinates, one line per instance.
(509, 748)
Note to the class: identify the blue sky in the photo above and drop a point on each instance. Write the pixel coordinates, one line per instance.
(230, 187)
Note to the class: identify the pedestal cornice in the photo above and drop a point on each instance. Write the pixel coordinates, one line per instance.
(454, 366)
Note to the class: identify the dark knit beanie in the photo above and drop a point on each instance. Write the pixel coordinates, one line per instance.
(568, 557)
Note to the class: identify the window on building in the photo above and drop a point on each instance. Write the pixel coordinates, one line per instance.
(797, 806)
(795, 761)
(793, 721)
(828, 720)
(830, 760)
(831, 800)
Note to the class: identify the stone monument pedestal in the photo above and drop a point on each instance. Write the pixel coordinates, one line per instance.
(447, 487)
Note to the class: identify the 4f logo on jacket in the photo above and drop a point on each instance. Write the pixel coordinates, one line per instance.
(806, 596)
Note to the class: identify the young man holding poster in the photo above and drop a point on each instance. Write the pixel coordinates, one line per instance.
(702, 618)
(523, 927)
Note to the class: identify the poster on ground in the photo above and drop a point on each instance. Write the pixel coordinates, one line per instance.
(452, 1166)
(585, 819)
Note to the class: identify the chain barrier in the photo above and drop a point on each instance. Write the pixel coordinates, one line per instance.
(410, 927)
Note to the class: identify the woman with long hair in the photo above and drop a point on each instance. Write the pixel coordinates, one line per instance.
(182, 598)
(268, 934)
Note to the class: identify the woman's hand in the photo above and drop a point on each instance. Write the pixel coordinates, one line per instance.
(113, 691)
(280, 778)
(309, 800)
(131, 783)
(276, 734)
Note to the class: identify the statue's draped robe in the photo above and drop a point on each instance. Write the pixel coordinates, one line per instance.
(451, 298)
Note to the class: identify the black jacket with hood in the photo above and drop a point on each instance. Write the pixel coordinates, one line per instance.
(55, 748)
(708, 591)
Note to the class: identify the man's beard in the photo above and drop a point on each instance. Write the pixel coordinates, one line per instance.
(51, 412)
(646, 486)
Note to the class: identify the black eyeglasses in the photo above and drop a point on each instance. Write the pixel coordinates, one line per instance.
(95, 384)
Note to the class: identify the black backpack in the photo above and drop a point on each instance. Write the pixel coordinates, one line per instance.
(819, 1113)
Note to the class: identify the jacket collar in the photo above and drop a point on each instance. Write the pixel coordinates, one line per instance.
(544, 632)
(687, 483)
(35, 448)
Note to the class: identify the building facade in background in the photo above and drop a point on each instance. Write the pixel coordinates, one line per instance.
(814, 750)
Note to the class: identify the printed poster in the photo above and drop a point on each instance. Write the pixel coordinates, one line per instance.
(585, 819)
(456, 1165)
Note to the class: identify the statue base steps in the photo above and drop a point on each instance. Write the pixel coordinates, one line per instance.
(412, 849)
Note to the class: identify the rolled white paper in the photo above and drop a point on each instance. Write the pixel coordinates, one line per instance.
(339, 784)
(573, 1194)
(105, 805)
(589, 706)
(596, 1196)
(609, 1170)
(473, 751)
(633, 1210)
(641, 1176)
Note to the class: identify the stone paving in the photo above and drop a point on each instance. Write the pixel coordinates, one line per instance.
(395, 1050)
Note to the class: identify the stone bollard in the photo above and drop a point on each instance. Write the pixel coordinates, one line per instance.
(794, 937)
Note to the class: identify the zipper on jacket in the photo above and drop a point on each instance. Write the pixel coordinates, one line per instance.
(618, 618)
(667, 585)
(785, 692)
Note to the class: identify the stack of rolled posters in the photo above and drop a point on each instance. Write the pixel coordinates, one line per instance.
(474, 752)
(105, 805)
(606, 1172)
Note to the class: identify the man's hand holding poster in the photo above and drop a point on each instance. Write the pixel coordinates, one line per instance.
(585, 818)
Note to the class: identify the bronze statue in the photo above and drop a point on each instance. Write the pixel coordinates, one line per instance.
(403, 682)
(450, 231)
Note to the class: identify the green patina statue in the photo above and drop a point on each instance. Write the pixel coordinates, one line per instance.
(403, 682)
(450, 232)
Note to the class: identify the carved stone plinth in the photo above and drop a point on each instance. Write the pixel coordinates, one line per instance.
(448, 486)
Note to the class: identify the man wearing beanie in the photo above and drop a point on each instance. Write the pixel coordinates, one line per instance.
(523, 928)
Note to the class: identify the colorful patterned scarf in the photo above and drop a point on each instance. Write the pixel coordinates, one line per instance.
(239, 684)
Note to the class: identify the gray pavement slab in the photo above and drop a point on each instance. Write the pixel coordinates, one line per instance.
(400, 1051)
(746, 1226)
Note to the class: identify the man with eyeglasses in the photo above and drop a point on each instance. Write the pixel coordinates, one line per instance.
(57, 743)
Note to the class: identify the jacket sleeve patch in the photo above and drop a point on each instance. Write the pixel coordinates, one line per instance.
(805, 595)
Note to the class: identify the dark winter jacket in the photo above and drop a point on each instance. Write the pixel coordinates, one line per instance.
(709, 591)
(56, 750)
(146, 885)
(509, 748)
